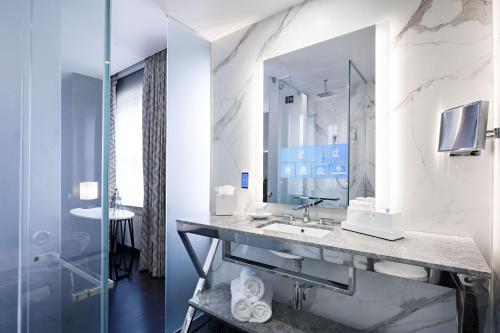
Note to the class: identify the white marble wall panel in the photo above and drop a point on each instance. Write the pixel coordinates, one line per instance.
(441, 56)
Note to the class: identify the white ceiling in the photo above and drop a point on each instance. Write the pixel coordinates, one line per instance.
(138, 30)
(139, 27)
(306, 68)
(216, 18)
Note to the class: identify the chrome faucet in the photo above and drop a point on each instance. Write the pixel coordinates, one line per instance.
(306, 208)
(286, 217)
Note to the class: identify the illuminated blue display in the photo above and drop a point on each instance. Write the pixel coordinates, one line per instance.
(302, 154)
(334, 153)
(244, 180)
(302, 170)
(287, 170)
(321, 170)
(326, 161)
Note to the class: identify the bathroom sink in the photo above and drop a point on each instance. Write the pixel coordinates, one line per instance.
(296, 230)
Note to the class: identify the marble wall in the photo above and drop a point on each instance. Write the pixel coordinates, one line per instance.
(440, 57)
(495, 262)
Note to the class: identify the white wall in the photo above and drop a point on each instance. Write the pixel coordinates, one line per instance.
(188, 159)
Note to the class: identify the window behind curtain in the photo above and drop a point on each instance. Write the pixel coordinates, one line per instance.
(128, 127)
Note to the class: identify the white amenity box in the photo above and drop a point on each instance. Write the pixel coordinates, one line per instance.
(224, 204)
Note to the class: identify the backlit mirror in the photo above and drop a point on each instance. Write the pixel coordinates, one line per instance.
(319, 122)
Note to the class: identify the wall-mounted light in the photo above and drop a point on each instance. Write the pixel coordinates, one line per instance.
(89, 190)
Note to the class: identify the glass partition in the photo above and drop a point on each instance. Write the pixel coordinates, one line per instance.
(188, 69)
(361, 135)
(60, 282)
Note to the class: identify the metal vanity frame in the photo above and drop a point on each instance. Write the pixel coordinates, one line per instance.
(475, 285)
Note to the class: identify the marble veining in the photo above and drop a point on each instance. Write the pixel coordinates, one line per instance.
(409, 307)
(475, 10)
(440, 57)
(450, 253)
(427, 77)
(288, 17)
(235, 50)
(217, 301)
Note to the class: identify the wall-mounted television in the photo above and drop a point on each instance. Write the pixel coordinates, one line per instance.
(463, 129)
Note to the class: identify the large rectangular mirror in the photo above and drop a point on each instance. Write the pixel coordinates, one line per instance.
(319, 122)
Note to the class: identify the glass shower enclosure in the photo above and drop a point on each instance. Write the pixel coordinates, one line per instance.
(53, 263)
(319, 145)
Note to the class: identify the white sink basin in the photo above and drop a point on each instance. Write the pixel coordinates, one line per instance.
(296, 230)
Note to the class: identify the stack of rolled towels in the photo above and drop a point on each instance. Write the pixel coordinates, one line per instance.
(360, 210)
(251, 298)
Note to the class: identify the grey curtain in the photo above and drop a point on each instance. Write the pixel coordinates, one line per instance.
(112, 138)
(154, 109)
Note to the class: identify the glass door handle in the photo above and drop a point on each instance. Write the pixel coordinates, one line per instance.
(96, 289)
(89, 292)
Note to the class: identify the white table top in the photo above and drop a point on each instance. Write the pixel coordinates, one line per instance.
(96, 213)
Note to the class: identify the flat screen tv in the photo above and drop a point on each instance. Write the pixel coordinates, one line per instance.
(463, 129)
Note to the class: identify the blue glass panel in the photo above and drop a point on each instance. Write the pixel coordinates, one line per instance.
(328, 161)
(303, 170)
(336, 152)
(320, 170)
(287, 170)
(302, 154)
(339, 170)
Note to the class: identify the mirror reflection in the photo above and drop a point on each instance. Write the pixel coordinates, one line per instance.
(319, 122)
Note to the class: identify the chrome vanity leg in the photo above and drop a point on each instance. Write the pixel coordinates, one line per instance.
(202, 272)
(192, 254)
(460, 302)
(460, 309)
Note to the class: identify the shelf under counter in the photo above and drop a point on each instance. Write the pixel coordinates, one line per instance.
(457, 257)
(217, 302)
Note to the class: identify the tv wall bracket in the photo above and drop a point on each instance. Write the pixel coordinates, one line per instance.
(490, 134)
(493, 134)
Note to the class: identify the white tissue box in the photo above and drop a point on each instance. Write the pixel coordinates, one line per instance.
(384, 225)
(224, 204)
(359, 216)
(388, 221)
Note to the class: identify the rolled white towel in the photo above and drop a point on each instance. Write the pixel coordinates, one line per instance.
(262, 309)
(359, 216)
(361, 204)
(241, 309)
(253, 286)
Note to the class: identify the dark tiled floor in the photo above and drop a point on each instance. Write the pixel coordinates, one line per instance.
(137, 305)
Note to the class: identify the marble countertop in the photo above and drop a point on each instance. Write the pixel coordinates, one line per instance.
(450, 253)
